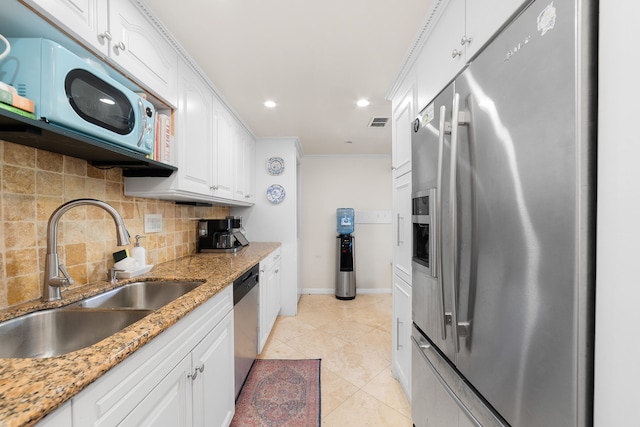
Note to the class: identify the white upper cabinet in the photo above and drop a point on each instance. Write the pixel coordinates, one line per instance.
(119, 32)
(194, 139)
(484, 18)
(138, 47)
(86, 19)
(460, 30)
(223, 164)
(403, 116)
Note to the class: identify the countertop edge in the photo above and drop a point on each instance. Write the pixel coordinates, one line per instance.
(27, 399)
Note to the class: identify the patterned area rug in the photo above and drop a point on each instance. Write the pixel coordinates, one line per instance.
(280, 393)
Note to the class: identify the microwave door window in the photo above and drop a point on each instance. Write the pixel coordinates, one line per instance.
(99, 103)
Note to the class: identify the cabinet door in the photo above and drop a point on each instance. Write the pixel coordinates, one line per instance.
(402, 227)
(169, 404)
(402, 119)
(401, 334)
(439, 63)
(139, 48)
(223, 175)
(86, 20)
(249, 168)
(213, 386)
(484, 18)
(275, 279)
(61, 417)
(195, 132)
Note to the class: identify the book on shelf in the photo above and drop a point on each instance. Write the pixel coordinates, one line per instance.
(10, 98)
(162, 152)
(17, 110)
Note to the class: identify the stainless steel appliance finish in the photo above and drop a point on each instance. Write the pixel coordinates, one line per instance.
(509, 147)
(246, 292)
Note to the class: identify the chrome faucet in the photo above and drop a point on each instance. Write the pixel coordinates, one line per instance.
(52, 281)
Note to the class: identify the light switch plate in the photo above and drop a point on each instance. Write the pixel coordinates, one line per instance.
(373, 217)
(152, 223)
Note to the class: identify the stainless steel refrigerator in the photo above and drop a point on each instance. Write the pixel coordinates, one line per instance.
(503, 164)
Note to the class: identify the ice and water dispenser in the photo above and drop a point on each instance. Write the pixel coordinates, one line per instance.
(345, 263)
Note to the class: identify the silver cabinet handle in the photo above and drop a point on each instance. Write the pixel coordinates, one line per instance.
(105, 36)
(398, 323)
(195, 372)
(465, 40)
(120, 46)
(455, 53)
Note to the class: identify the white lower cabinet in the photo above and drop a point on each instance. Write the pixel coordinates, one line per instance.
(184, 377)
(401, 334)
(61, 417)
(269, 306)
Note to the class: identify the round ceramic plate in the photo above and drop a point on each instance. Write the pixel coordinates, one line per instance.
(275, 194)
(275, 165)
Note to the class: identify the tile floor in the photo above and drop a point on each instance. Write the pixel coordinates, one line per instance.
(353, 339)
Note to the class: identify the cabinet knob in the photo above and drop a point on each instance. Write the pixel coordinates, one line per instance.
(105, 36)
(456, 53)
(120, 46)
(213, 187)
(195, 372)
(465, 40)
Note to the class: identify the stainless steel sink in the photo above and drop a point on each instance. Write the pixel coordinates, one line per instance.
(140, 295)
(62, 330)
(59, 331)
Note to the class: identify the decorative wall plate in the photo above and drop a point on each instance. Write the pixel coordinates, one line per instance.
(275, 165)
(275, 193)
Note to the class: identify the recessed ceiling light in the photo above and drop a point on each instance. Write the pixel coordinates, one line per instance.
(269, 104)
(362, 102)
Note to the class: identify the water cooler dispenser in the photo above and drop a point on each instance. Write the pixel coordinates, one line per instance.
(345, 263)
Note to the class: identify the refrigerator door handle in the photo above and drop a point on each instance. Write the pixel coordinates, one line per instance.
(453, 218)
(437, 258)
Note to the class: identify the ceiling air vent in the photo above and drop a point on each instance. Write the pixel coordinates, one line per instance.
(378, 122)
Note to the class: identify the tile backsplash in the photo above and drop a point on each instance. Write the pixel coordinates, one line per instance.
(33, 183)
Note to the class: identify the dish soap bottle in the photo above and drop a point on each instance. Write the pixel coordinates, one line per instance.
(139, 253)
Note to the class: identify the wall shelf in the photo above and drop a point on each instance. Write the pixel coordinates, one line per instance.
(46, 136)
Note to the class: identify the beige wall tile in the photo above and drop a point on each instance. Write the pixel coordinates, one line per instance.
(18, 180)
(52, 162)
(19, 155)
(34, 183)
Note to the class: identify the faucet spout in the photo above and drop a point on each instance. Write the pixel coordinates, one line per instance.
(52, 280)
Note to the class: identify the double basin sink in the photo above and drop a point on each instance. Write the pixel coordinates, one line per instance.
(81, 324)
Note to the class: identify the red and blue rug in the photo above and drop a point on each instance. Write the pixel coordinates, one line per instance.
(280, 393)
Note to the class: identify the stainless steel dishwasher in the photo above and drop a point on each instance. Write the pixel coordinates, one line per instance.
(246, 292)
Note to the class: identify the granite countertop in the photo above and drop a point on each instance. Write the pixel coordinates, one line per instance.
(32, 388)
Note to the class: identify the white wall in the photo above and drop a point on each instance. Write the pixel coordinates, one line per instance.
(617, 357)
(359, 182)
(267, 222)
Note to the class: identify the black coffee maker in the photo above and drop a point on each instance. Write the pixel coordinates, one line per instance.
(220, 234)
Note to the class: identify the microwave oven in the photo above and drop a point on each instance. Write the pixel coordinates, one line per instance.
(74, 94)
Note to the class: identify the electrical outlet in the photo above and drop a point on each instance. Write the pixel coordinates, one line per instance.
(152, 223)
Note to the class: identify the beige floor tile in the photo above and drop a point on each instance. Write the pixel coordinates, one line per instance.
(334, 390)
(388, 390)
(279, 350)
(348, 331)
(317, 344)
(289, 327)
(355, 364)
(353, 339)
(362, 409)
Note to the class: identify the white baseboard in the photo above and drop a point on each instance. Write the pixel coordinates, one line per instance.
(326, 291)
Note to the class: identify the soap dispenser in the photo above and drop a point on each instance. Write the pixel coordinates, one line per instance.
(138, 252)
